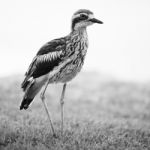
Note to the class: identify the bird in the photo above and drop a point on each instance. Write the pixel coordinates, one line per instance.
(58, 61)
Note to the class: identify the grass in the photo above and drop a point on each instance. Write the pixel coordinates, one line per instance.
(99, 115)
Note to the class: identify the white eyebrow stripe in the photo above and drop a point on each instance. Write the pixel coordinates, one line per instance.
(78, 15)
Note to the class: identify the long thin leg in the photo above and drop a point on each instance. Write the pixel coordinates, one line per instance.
(61, 106)
(46, 109)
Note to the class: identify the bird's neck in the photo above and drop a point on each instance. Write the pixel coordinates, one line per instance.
(79, 39)
(80, 34)
(80, 31)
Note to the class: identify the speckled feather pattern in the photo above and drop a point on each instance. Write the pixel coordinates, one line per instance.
(59, 60)
(77, 47)
(74, 46)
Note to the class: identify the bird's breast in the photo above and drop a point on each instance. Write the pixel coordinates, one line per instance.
(72, 68)
(76, 50)
(79, 44)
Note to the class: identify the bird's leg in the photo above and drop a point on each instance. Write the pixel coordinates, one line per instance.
(61, 107)
(46, 109)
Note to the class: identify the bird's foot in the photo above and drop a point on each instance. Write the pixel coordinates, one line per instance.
(55, 136)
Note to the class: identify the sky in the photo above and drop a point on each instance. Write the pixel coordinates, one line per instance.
(119, 48)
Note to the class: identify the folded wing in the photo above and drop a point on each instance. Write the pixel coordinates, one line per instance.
(47, 58)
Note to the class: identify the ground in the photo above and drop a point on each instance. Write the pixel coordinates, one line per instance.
(100, 114)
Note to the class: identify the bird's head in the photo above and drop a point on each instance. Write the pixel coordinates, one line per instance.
(83, 18)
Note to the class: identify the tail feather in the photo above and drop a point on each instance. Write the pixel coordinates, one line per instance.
(24, 85)
(27, 86)
(25, 103)
(31, 87)
(26, 82)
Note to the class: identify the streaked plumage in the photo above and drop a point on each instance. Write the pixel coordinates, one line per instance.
(59, 60)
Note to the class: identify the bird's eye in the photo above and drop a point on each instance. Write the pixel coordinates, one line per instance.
(83, 16)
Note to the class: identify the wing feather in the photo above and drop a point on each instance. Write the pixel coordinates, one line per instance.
(48, 57)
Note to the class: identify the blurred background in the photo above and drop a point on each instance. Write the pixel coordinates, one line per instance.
(119, 48)
(113, 89)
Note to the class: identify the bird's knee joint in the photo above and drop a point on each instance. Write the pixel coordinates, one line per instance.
(42, 97)
(62, 102)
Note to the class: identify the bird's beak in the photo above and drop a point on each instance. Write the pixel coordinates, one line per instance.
(94, 20)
